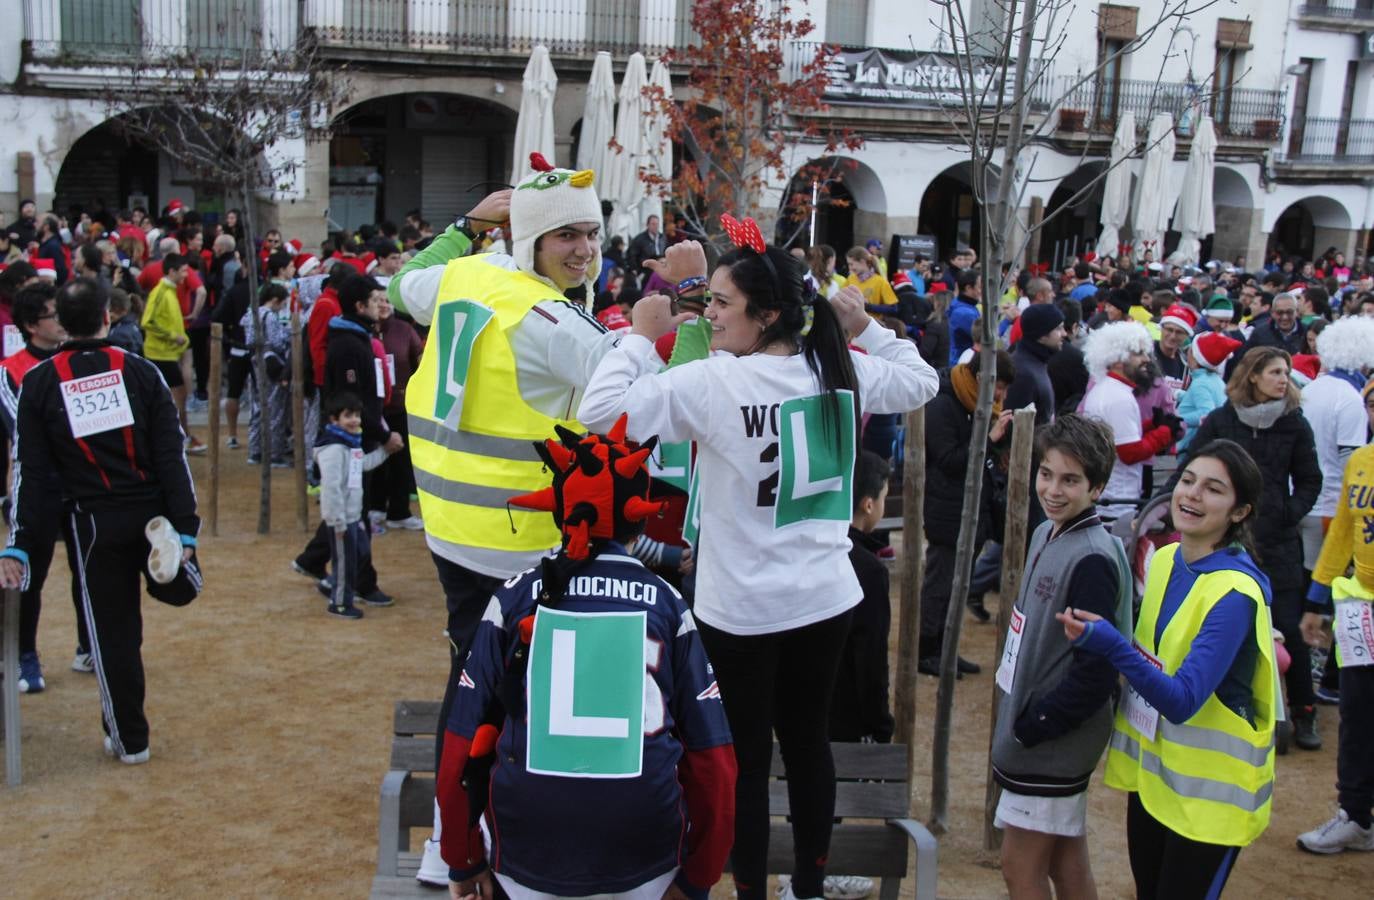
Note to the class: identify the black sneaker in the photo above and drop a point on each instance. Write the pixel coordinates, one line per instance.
(378, 598)
(930, 665)
(978, 610)
(308, 573)
(1305, 729)
(968, 667)
(344, 612)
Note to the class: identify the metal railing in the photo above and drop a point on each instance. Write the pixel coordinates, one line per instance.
(1358, 10)
(1236, 112)
(98, 30)
(1335, 141)
(516, 26)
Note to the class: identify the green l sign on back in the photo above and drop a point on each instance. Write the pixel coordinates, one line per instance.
(457, 325)
(816, 473)
(586, 694)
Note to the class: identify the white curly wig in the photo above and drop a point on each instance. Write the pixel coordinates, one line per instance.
(1113, 343)
(1347, 344)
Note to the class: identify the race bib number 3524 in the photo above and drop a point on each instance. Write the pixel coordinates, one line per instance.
(97, 403)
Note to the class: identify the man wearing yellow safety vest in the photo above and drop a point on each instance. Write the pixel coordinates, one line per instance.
(1193, 741)
(510, 349)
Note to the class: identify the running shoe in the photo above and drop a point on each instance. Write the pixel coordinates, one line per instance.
(302, 570)
(129, 759)
(83, 662)
(379, 598)
(30, 674)
(1328, 696)
(846, 887)
(409, 523)
(164, 554)
(194, 446)
(433, 870)
(344, 612)
(232, 443)
(1336, 834)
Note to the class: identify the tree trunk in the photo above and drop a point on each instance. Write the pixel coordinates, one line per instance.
(250, 265)
(298, 376)
(913, 567)
(992, 240)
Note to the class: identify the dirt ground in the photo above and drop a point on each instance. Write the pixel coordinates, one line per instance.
(271, 726)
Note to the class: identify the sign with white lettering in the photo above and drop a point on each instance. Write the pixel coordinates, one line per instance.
(906, 78)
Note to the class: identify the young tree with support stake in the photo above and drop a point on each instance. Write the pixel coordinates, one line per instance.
(743, 112)
(225, 118)
(1000, 68)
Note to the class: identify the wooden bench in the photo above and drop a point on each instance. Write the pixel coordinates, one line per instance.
(872, 795)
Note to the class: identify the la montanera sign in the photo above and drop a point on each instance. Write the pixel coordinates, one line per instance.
(895, 77)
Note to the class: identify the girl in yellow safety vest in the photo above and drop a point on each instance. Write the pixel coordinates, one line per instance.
(1193, 741)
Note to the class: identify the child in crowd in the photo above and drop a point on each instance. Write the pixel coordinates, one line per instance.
(1207, 390)
(339, 454)
(124, 330)
(1056, 716)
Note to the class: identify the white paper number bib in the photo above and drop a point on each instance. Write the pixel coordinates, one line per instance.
(14, 340)
(1143, 717)
(355, 469)
(97, 403)
(1006, 670)
(1355, 632)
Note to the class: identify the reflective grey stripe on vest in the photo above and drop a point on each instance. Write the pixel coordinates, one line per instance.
(486, 560)
(1217, 741)
(462, 492)
(516, 449)
(1191, 786)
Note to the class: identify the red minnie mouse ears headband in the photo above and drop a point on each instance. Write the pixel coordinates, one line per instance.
(744, 234)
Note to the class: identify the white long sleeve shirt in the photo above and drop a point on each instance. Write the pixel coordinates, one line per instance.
(757, 574)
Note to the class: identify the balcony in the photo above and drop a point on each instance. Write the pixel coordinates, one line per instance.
(1338, 15)
(1325, 143)
(1237, 113)
(91, 32)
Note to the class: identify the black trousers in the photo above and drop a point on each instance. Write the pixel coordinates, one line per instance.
(318, 553)
(111, 554)
(1287, 613)
(780, 682)
(1355, 754)
(31, 601)
(1169, 866)
(199, 338)
(350, 551)
(936, 588)
(466, 594)
(394, 480)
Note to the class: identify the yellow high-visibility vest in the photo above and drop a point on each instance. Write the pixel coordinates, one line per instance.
(1210, 779)
(471, 432)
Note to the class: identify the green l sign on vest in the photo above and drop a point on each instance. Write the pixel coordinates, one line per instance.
(816, 475)
(456, 325)
(586, 694)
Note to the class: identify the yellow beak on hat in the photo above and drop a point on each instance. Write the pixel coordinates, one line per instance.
(582, 179)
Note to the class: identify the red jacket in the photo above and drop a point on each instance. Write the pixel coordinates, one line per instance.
(317, 330)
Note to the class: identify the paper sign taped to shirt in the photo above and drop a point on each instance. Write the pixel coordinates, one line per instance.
(1006, 670)
(1143, 717)
(97, 403)
(355, 469)
(1354, 627)
(377, 373)
(14, 340)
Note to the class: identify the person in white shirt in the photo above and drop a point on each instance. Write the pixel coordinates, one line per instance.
(1115, 355)
(774, 411)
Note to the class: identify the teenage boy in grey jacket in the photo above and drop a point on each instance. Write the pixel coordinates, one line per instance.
(339, 454)
(1055, 717)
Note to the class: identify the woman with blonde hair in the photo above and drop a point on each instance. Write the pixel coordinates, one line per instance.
(821, 260)
(1263, 414)
(879, 298)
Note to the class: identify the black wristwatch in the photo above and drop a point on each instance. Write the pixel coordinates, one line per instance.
(461, 223)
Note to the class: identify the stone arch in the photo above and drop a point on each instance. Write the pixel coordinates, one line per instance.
(852, 207)
(1230, 188)
(950, 210)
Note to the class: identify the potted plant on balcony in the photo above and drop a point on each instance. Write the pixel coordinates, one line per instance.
(1072, 119)
(1267, 129)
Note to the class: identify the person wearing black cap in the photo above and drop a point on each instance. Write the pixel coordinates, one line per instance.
(1042, 334)
(1116, 309)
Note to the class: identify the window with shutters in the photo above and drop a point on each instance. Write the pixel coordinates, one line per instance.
(1233, 40)
(846, 22)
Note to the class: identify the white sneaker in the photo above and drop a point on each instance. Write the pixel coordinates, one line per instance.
(83, 662)
(409, 523)
(433, 870)
(164, 555)
(847, 887)
(1337, 834)
(129, 759)
(377, 517)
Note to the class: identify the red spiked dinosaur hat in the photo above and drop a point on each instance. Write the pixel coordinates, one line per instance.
(600, 486)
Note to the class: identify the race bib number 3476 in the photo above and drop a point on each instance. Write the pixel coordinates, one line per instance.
(97, 403)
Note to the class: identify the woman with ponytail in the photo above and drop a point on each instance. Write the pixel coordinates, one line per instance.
(774, 412)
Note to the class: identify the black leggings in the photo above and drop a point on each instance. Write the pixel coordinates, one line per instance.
(1169, 866)
(780, 682)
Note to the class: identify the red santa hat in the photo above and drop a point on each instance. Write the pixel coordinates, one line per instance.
(369, 262)
(1179, 316)
(176, 208)
(1307, 364)
(306, 263)
(46, 268)
(1213, 349)
(293, 247)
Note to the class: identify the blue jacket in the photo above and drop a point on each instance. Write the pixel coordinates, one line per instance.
(962, 315)
(1206, 393)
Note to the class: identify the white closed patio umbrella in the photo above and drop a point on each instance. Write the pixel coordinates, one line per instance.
(1154, 196)
(624, 189)
(1194, 216)
(598, 121)
(658, 146)
(1116, 188)
(534, 129)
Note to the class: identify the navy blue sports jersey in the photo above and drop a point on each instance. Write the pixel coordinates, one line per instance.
(574, 836)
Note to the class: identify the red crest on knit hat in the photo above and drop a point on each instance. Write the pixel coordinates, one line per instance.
(1214, 348)
(744, 234)
(538, 163)
(600, 485)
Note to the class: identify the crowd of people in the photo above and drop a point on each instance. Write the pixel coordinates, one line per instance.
(764, 390)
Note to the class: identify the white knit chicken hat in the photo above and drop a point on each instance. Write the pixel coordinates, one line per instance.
(549, 199)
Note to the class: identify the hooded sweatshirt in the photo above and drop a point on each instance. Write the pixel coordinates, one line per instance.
(342, 463)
